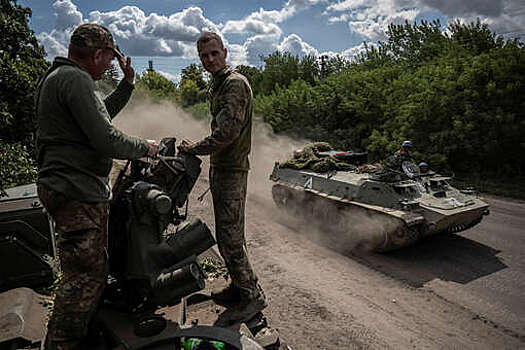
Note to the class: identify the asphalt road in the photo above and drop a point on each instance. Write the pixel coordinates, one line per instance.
(481, 269)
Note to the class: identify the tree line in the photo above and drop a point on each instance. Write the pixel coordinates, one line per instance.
(458, 96)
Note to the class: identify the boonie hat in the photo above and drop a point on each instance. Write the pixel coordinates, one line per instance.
(95, 36)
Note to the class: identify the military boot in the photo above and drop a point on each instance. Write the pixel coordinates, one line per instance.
(227, 296)
(243, 311)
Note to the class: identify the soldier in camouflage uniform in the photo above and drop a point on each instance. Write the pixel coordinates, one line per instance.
(76, 143)
(229, 144)
(395, 161)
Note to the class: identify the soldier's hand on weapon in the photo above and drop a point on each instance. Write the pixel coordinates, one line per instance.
(153, 148)
(185, 145)
(127, 69)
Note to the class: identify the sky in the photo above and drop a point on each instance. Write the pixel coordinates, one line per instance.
(165, 31)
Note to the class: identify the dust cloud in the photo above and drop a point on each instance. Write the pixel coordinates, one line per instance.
(356, 229)
(155, 121)
(150, 120)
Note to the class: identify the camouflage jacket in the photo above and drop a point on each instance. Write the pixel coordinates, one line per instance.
(75, 138)
(395, 161)
(229, 144)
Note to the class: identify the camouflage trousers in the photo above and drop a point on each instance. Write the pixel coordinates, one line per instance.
(228, 188)
(82, 249)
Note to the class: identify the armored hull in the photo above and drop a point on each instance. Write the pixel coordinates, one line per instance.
(405, 209)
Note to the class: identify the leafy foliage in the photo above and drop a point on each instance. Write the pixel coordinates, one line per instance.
(17, 167)
(111, 75)
(156, 86)
(457, 95)
(196, 74)
(21, 64)
(190, 93)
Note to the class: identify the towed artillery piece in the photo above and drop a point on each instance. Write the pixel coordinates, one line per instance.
(406, 205)
(154, 263)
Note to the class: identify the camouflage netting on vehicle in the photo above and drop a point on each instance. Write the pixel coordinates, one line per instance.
(307, 159)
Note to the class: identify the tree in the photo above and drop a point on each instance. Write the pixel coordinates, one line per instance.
(476, 38)
(190, 93)
(21, 64)
(333, 64)
(415, 44)
(111, 75)
(254, 76)
(156, 85)
(194, 72)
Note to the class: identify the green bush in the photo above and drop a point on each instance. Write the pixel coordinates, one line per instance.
(17, 167)
(190, 93)
(21, 64)
(155, 86)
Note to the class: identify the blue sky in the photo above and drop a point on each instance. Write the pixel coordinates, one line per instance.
(165, 30)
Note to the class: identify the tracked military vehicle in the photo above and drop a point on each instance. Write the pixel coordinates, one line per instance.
(407, 205)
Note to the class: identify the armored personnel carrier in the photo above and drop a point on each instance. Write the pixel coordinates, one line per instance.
(407, 205)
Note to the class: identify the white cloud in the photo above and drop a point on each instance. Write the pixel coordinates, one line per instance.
(66, 14)
(371, 18)
(237, 55)
(301, 4)
(489, 8)
(505, 17)
(296, 46)
(194, 17)
(173, 77)
(154, 34)
(348, 5)
(510, 22)
(260, 45)
(138, 34)
(169, 28)
(273, 16)
(53, 44)
(264, 31)
(352, 52)
(264, 22)
(253, 26)
(261, 22)
(343, 18)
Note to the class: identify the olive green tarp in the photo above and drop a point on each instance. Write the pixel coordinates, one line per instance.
(307, 159)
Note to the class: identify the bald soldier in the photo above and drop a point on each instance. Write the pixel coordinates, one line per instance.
(229, 144)
(76, 143)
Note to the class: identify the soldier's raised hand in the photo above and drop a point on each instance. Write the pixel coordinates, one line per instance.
(127, 69)
(185, 145)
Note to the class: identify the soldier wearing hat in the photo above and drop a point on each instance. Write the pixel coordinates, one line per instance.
(76, 144)
(403, 154)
